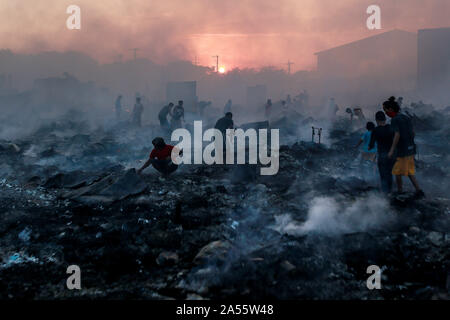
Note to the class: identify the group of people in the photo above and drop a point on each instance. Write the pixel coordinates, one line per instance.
(300, 102)
(160, 157)
(136, 117)
(268, 107)
(176, 114)
(394, 147)
(391, 145)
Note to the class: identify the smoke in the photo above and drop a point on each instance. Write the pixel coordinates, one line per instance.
(239, 31)
(329, 216)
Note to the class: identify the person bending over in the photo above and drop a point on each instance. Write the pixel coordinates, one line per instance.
(160, 157)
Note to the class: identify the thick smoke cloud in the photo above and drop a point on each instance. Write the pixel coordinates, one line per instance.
(328, 216)
(244, 33)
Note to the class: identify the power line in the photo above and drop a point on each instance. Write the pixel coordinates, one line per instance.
(217, 63)
(289, 64)
(135, 50)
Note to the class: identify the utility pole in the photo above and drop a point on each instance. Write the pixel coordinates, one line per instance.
(195, 61)
(217, 63)
(135, 50)
(289, 64)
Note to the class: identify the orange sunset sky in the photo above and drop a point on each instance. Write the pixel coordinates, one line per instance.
(244, 33)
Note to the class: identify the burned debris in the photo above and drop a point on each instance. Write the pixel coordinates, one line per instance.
(70, 194)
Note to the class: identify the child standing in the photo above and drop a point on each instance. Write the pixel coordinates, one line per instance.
(367, 154)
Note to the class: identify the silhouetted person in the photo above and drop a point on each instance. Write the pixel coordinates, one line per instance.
(288, 99)
(360, 118)
(222, 125)
(225, 123)
(163, 113)
(284, 108)
(403, 147)
(383, 136)
(177, 116)
(137, 112)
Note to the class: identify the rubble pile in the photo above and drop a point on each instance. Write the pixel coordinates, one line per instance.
(71, 196)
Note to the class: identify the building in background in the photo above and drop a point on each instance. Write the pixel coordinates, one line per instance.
(433, 67)
(68, 92)
(370, 68)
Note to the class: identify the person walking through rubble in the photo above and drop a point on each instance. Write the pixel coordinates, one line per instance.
(304, 99)
(160, 157)
(177, 116)
(360, 118)
(222, 125)
(284, 108)
(165, 111)
(288, 100)
(403, 147)
(137, 112)
(368, 156)
(225, 123)
(332, 109)
(383, 136)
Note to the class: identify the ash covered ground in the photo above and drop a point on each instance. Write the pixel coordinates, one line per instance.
(70, 194)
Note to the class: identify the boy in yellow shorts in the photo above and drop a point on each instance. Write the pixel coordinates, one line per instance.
(403, 146)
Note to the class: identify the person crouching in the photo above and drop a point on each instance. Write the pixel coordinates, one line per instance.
(160, 157)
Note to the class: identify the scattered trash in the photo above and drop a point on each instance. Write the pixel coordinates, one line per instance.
(206, 231)
(167, 258)
(18, 258)
(143, 221)
(25, 234)
(287, 266)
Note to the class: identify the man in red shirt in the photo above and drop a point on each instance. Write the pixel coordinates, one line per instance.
(160, 157)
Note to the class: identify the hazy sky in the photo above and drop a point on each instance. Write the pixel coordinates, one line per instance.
(244, 33)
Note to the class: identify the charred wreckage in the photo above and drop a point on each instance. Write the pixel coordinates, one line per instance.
(70, 195)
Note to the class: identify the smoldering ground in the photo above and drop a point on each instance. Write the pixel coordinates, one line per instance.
(333, 217)
(71, 196)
